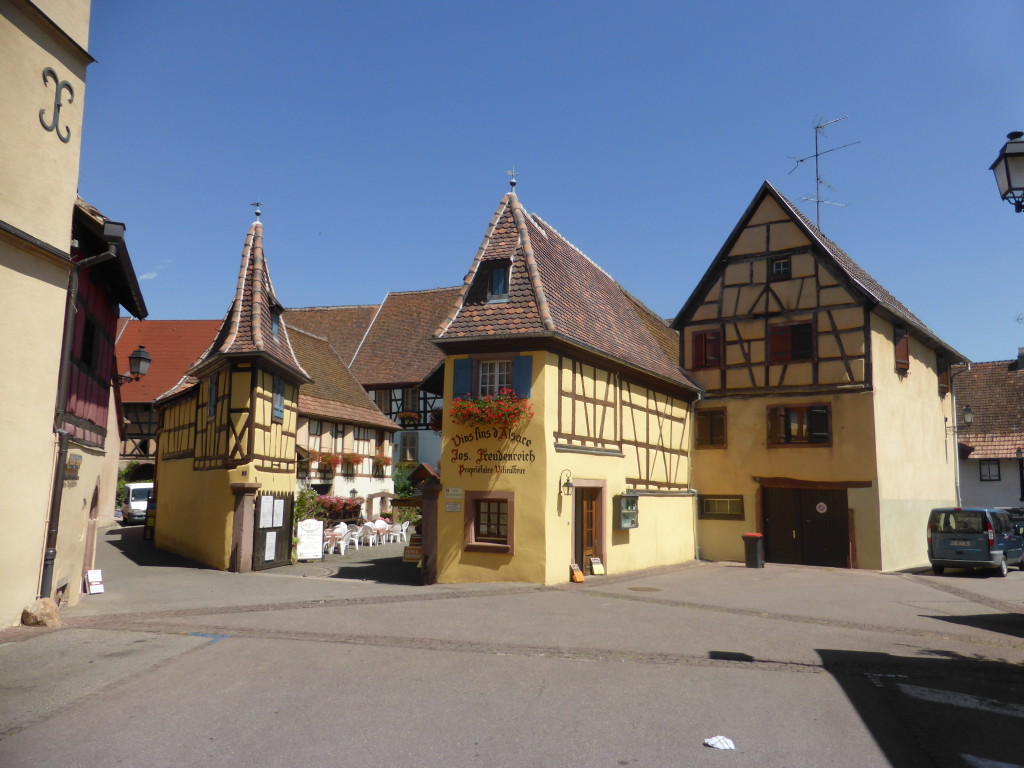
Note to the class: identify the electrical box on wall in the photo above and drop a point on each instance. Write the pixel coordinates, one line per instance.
(629, 511)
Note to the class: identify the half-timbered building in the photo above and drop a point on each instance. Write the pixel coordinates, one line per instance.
(387, 347)
(226, 444)
(823, 424)
(601, 469)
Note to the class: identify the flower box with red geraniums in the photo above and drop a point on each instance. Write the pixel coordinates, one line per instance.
(408, 417)
(350, 458)
(501, 410)
(380, 460)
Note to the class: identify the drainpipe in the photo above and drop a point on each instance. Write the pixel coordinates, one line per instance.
(64, 375)
(689, 479)
(956, 432)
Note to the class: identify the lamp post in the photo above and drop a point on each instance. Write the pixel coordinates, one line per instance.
(1009, 170)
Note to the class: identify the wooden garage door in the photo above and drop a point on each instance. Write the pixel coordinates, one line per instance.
(807, 526)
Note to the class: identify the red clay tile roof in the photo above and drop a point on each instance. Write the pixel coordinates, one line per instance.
(334, 393)
(173, 345)
(870, 287)
(397, 351)
(555, 290)
(247, 328)
(344, 327)
(995, 393)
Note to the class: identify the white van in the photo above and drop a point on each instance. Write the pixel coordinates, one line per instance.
(136, 498)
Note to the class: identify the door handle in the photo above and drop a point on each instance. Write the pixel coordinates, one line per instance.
(794, 534)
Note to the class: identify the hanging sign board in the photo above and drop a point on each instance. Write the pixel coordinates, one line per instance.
(94, 582)
(311, 540)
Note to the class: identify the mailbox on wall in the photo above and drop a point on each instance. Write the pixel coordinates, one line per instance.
(628, 516)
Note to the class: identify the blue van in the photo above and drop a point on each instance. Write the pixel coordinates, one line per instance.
(974, 537)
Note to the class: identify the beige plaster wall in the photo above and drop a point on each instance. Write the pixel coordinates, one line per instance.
(195, 512)
(32, 291)
(544, 518)
(46, 169)
(70, 15)
(916, 459)
(730, 471)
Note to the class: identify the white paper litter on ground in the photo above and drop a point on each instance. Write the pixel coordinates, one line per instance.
(719, 742)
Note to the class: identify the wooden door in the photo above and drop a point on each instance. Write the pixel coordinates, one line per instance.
(585, 545)
(807, 526)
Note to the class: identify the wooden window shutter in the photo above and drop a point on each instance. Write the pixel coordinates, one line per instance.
(522, 375)
(780, 344)
(817, 418)
(902, 343)
(776, 425)
(943, 367)
(462, 378)
(707, 349)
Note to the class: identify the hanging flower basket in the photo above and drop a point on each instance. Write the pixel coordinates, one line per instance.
(380, 460)
(504, 409)
(408, 417)
(436, 419)
(350, 458)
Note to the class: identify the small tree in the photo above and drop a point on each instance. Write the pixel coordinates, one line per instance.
(400, 474)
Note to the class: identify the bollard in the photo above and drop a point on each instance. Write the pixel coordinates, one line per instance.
(753, 545)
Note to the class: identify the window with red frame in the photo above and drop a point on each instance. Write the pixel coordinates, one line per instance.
(901, 341)
(789, 343)
(707, 349)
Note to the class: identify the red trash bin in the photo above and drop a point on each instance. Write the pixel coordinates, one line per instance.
(753, 546)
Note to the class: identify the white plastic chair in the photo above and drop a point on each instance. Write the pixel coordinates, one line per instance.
(369, 534)
(354, 539)
(345, 541)
(405, 531)
(395, 533)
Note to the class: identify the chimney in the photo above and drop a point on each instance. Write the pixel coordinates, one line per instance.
(1020, 358)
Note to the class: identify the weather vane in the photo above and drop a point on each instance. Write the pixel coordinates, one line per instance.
(819, 131)
(257, 205)
(512, 180)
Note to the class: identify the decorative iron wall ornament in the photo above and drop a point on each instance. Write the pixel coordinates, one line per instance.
(60, 86)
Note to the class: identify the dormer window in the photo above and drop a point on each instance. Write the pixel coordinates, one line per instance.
(275, 320)
(497, 281)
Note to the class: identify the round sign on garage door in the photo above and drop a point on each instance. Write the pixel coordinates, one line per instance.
(821, 507)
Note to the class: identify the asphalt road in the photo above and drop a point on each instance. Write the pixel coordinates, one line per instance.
(177, 665)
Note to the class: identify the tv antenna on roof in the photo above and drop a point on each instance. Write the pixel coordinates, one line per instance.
(819, 131)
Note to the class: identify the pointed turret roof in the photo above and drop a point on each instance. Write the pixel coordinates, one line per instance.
(556, 291)
(248, 328)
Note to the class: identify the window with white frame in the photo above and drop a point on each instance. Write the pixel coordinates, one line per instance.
(362, 440)
(409, 446)
(495, 375)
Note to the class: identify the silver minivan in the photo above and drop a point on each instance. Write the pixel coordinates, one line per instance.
(974, 537)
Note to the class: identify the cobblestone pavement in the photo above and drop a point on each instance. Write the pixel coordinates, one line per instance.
(800, 666)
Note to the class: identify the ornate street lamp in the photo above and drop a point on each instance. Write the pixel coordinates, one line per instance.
(138, 366)
(1009, 170)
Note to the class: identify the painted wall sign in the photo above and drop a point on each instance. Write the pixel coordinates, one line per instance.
(473, 459)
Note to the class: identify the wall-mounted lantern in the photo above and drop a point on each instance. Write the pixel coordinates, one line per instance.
(138, 366)
(565, 483)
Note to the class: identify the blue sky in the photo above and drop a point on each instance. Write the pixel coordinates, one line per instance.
(377, 136)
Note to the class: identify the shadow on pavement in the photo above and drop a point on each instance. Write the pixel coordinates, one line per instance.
(942, 710)
(128, 540)
(1011, 624)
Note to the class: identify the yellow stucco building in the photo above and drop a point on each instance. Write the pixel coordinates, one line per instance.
(823, 424)
(598, 463)
(226, 460)
(64, 269)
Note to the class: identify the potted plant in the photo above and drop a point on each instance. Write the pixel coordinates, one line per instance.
(504, 409)
(332, 460)
(351, 458)
(314, 461)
